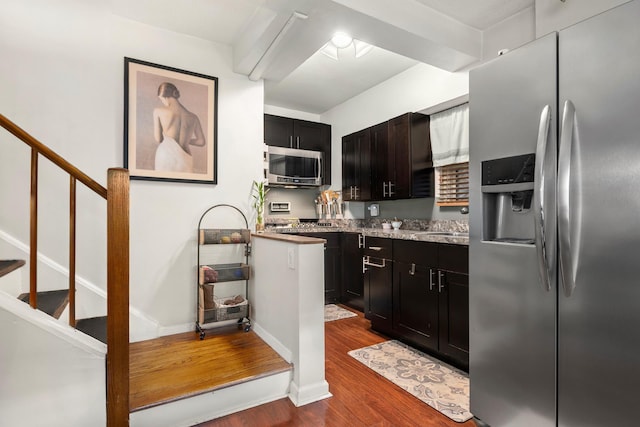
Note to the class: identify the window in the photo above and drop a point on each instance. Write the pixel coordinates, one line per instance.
(452, 185)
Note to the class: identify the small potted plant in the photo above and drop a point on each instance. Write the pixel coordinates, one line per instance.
(259, 198)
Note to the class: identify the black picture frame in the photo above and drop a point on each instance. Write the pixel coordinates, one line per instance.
(165, 110)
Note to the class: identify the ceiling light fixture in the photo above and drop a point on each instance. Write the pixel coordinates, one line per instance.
(342, 41)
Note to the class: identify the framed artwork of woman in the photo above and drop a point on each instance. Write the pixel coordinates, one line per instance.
(170, 123)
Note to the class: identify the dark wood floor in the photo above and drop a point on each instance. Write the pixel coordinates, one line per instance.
(360, 396)
(178, 366)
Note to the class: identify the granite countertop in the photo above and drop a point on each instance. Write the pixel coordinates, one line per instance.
(417, 235)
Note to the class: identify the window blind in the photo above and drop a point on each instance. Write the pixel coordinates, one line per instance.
(453, 185)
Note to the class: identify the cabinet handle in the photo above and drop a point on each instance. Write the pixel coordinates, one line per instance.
(364, 265)
(390, 191)
(356, 192)
(360, 241)
(384, 189)
(366, 260)
(412, 270)
(430, 279)
(440, 281)
(375, 248)
(297, 142)
(291, 141)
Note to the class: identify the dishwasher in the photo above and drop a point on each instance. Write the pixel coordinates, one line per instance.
(377, 262)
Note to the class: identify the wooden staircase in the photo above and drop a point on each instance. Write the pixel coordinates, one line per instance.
(116, 195)
(54, 303)
(7, 266)
(51, 302)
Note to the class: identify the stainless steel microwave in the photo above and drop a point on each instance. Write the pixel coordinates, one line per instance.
(291, 166)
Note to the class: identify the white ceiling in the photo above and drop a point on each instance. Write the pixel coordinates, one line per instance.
(443, 33)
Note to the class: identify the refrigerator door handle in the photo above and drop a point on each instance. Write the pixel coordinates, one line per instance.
(539, 198)
(564, 211)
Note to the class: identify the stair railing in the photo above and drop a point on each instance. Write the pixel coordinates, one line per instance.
(117, 197)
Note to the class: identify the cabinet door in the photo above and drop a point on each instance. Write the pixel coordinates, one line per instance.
(356, 166)
(378, 295)
(422, 180)
(363, 170)
(352, 279)
(317, 137)
(453, 281)
(309, 135)
(454, 316)
(349, 164)
(332, 265)
(278, 131)
(382, 161)
(400, 164)
(415, 304)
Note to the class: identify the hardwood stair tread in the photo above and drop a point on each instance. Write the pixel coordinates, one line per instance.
(178, 366)
(9, 265)
(95, 327)
(51, 302)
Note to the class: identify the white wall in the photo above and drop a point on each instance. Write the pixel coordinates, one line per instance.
(554, 15)
(63, 81)
(511, 33)
(417, 88)
(65, 388)
(287, 112)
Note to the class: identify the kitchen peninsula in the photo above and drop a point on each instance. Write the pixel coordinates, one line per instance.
(287, 295)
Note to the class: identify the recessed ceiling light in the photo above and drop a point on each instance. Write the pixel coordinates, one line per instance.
(341, 40)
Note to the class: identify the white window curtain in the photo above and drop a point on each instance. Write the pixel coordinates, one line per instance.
(450, 136)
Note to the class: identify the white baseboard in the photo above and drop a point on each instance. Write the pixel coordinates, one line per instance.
(309, 394)
(273, 342)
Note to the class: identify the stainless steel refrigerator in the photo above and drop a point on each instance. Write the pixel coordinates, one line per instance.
(555, 228)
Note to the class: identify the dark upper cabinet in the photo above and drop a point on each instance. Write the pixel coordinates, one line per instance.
(278, 131)
(422, 184)
(383, 155)
(301, 134)
(356, 166)
(410, 169)
(400, 164)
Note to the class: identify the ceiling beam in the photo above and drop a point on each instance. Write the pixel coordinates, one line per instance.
(405, 27)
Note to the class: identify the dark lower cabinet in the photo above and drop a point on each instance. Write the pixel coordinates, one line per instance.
(453, 336)
(332, 265)
(431, 298)
(378, 281)
(352, 292)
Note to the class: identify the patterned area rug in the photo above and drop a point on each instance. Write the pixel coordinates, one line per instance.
(333, 312)
(437, 384)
